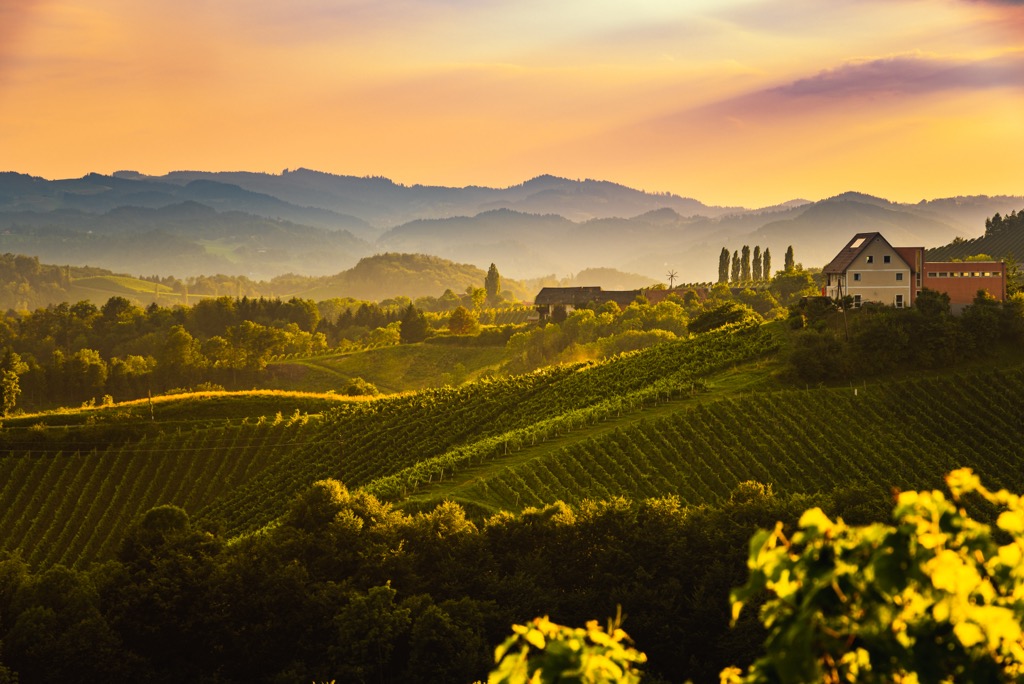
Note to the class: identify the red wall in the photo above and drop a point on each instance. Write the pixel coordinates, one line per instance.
(962, 290)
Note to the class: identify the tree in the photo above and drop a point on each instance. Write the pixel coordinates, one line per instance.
(789, 264)
(462, 322)
(723, 266)
(492, 285)
(10, 387)
(932, 302)
(792, 284)
(735, 267)
(414, 326)
(745, 264)
(386, 336)
(477, 296)
(757, 271)
(767, 270)
(361, 388)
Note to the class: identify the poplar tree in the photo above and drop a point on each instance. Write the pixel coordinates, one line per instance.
(757, 270)
(745, 264)
(723, 266)
(790, 264)
(735, 267)
(767, 266)
(492, 284)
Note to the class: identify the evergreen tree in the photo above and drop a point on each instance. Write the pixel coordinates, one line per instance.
(735, 267)
(723, 266)
(757, 272)
(492, 284)
(767, 267)
(789, 264)
(745, 264)
(414, 326)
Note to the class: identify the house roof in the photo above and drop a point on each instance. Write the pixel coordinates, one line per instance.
(565, 295)
(850, 252)
(579, 296)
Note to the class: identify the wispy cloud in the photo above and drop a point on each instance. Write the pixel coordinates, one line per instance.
(910, 74)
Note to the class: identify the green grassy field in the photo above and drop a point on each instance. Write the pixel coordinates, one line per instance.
(99, 289)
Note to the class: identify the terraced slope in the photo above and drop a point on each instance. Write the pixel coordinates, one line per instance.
(902, 435)
(71, 483)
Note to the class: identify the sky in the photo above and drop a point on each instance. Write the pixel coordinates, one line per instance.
(732, 102)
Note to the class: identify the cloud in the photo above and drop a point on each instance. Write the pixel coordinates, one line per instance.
(14, 18)
(909, 74)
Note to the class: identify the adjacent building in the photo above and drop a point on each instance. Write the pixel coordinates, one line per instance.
(869, 269)
(571, 298)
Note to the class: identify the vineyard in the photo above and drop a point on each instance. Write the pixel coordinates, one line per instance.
(1001, 245)
(641, 424)
(73, 481)
(891, 435)
(70, 507)
(402, 443)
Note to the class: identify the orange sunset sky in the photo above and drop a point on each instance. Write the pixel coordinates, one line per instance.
(739, 102)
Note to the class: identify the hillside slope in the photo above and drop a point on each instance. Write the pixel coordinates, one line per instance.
(677, 419)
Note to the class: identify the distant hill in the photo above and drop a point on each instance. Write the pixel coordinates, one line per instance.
(97, 194)
(310, 223)
(821, 229)
(389, 275)
(609, 279)
(182, 239)
(385, 203)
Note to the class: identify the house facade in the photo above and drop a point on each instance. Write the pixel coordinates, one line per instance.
(869, 269)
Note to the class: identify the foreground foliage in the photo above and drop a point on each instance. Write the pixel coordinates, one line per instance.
(935, 596)
(542, 651)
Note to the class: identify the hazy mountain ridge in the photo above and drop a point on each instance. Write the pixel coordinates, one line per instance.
(184, 239)
(384, 203)
(95, 193)
(263, 225)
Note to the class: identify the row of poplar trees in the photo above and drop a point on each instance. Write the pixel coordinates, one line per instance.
(739, 268)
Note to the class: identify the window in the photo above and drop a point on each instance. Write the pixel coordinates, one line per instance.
(899, 276)
(856, 301)
(932, 274)
(899, 301)
(887, 259)
(856, 243)
(943, 274)
(856, 276)
(871, 259)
